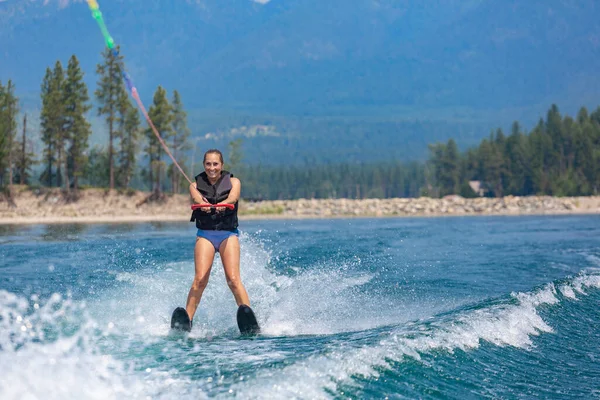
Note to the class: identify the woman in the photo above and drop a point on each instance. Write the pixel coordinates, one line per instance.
(217, 232)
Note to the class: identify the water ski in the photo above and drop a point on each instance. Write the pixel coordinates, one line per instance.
(180, 321)
(246, 321)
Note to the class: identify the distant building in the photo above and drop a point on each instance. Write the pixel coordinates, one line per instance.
(478, 187)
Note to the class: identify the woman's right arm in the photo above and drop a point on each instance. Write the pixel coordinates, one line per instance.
(196, 195)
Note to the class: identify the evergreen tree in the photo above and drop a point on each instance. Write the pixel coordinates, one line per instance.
(25, 157)
(110, 94)
(4, 141)
(161, 114)
(445, 160)
(555, 156)
(96, 171)
(46, 123)
(435, 170)
(499, 161)
(59, 121)
(129, 127)
(517, 182)
(52, 124)
(8, 126)
(450, 168)
(539, 145)
(77, 128)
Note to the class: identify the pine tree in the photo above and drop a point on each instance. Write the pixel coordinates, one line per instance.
(12, 109)
(58, 82)
(77, 128)
(129, 127)
(53, 122)
(539, 145)
(179, 142)
(445, 162)
(25, 157)
(500, 160)
(96, 169)
(517, 163)
(161, 114)
(434, 168)
(8, 128)
(555, 157)
(109, 95)
(450, 168)
(46, 122)
(3, 135)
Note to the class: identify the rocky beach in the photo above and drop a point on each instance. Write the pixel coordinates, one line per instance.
(103, 206)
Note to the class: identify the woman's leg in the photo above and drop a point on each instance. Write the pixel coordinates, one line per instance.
(204, 254)
(230, 255)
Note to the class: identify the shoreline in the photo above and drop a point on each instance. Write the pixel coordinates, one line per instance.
(265, 217)
(100, 206)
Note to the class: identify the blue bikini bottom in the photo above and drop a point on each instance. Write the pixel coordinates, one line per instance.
(216, 237)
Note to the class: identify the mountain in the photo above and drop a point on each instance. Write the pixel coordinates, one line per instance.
(461, 67)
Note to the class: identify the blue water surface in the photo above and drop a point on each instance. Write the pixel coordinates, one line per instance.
(455, 307)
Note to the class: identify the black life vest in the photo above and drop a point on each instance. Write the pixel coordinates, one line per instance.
(213, 221)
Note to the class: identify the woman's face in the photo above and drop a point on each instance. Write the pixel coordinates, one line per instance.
(213, 166)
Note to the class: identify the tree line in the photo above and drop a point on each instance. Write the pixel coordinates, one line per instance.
(67, 159)
(382, 180)
(560, 156)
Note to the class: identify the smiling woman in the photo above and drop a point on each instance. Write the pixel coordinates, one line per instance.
(217, 232)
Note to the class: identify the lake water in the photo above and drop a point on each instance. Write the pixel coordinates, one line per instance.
(498, 307)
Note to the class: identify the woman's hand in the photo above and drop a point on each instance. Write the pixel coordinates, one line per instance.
(197, 197)
(220, 209)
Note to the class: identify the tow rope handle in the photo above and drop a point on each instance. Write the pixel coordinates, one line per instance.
(197, 206)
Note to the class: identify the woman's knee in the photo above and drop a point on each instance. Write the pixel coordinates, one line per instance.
(200, 281)
(234, 282)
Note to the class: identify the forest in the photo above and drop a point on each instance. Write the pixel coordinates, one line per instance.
(560, 156)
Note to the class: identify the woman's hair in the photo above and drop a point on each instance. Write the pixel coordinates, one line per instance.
(213, 151)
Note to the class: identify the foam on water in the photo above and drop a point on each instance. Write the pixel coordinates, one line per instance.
(57, 347)
(51, 350)
(510, 323)
(317, 301)
(45, 355)
(143, 301)
(61, 348)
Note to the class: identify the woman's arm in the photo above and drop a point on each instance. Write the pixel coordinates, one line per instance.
(196, 195)
(234, 193)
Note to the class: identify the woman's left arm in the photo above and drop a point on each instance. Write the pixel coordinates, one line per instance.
(234, 194)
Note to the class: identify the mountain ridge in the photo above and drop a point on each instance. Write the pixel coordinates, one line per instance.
(477, 64)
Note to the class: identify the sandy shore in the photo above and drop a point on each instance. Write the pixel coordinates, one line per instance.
(102, 206)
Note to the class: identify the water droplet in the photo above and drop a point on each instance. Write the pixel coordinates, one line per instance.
(51, 267)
